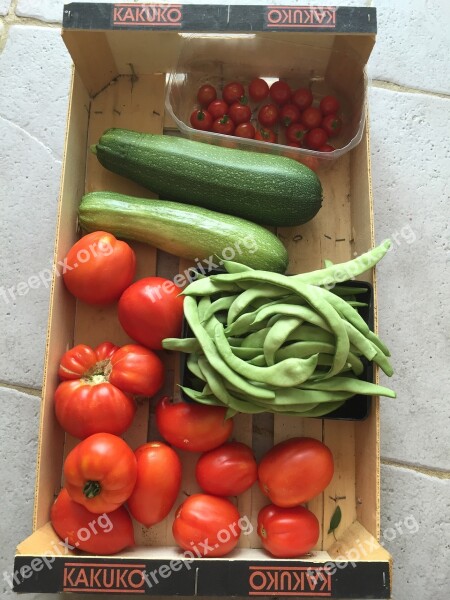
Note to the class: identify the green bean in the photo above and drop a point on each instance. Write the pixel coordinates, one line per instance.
(258, 361)
(277, 337)
(235, 267)
(213, 356)
(208, 286)
(255, 339)
(248, 297)
(323, 409)
(245, 353)
(349, 384)
(192, 365)
(346, 290)
(302, 312)
(300, 396)
(356, 304)
(369, 349)
(199, 397)
(376, 340)
(187, 345)
(306, 333)
(223, 303)
(219, 390)
(287, 373)
(345, 310)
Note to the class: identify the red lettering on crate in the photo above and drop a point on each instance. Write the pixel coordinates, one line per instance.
(289, 581)
(301, 17)
(99, 577)
(149, 15)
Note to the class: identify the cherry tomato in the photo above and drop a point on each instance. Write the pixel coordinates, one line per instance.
(316, 137)
(206, 94)
(327, 148)
(268, 115)
(287, 532)
(280, 92)
(233, 92)
(240, 113)
(295, 471)
(207, 523)
(258, 89)
(296, 133)
(217, 109)
(228, 470)
(150, 310)
(100, 472)
(289, 114)
(293, 144)
(201, 119)
(157, 485)
(87, 402)
(108, 534)
(191, 426)
(263, 134)
(224, 125)
(302, 98)
(330, 105)
(332, 125)
(245, 130)
(311, 117)
(98, 268)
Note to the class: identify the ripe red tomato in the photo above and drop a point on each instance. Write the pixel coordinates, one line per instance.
(207, 524)
(150, 310)
(311, 117)
(107, 534)
(224, 125)
(268, 115)
(332, 125)
(280, 92)
(206, 94)
(289, 114)
(295, 471)
(326, 148)
(157, 485)
(330, 105)
(233, 92)
(201, 119)
(100, 472)
(315, 138)
(245, 130)
(191, 426)
(217, 109)
(287, 532)
(98, 268)
(309, 161)
(263, 134)
(296, 133)
(258, 89)
(228, 470)
(302, 98)
(240, 113)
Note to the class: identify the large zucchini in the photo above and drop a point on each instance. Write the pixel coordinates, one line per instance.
(263, 188)
(187, 231)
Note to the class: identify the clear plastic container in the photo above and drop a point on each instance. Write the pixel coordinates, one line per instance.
(218, 59)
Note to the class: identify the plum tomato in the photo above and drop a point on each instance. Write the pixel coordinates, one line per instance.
(192, 426)
(258, 89)
(98, 268)
(228, 470)
(303, 98)
(287, 532)
(295, 471)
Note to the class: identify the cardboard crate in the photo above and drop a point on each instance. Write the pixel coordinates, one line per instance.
(122, 54)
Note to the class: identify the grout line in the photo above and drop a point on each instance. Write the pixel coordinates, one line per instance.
(437, 473)
(395, 87)
(20, 388)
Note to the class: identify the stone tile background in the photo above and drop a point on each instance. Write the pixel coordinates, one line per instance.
(410, 124)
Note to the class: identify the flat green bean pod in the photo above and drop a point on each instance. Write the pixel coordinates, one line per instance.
(245, 353)
(254, 339)
(349, 384)
(302, 312)
(192, 365)
(187, 345)
(277, 337)
(235, 267)
(222, 303)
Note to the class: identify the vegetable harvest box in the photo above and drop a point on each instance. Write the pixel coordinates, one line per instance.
(123, 54)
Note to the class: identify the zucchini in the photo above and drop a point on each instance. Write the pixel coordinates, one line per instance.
(187, 231)
(264, 188)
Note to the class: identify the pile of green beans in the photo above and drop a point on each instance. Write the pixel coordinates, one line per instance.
(265, 342)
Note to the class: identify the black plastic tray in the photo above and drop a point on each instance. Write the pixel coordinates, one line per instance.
(356, 408)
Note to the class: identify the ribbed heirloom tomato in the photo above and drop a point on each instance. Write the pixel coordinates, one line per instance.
(98, 268)
(191, 426)
(228, 470)
(100, 472)
(157, 485)
(207, 525)
(107, 534)
(287, 532)
(295, 471)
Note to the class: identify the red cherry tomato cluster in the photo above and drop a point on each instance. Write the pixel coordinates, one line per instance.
(280, 114)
